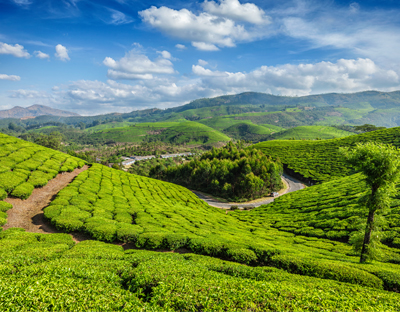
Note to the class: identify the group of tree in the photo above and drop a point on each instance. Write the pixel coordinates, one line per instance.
(232, 172)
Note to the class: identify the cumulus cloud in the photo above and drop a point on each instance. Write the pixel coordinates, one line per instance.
(10, 77)
(165, 54)
(16, 50)
(180, 46)
(346, 75)
(62, 53)
(206, 31)
(41, 55)
(234, 10)
(135, 65)
(119, 18)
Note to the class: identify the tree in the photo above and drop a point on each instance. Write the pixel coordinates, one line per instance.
(380, 164)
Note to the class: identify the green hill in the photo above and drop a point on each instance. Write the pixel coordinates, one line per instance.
(168, 132)
(310, 133)
(320, 160)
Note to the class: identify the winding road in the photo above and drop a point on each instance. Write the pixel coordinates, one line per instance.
(293, 185)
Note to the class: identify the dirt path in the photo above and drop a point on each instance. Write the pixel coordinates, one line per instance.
(291, 183)
(28, 214)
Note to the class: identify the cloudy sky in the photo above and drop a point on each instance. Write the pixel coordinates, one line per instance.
(94, 57)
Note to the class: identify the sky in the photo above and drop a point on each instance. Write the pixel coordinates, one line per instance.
(94, 57)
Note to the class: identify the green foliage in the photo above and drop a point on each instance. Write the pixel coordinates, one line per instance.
(231, 172)
(321, 160)
(380, 164)
(23, 191)
(310, 133)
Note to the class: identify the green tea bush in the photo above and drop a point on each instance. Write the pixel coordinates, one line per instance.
(3, 194)
(23, 191)
(4, 206)
(320, 160)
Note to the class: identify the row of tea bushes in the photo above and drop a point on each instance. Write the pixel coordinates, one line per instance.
(47, 272)
(24, 166)
(320, 160)
(113, 205)
(330, 210)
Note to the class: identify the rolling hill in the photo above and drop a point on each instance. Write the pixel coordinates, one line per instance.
(170, 132)
(310, 133)
(34, 111)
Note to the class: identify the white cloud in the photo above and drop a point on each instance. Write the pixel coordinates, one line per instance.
(10, 77)
(62, 53)
(16, 50)
(234, 10)
(180, 46)
(202, 62)
(135, 65)
(119, 18)
(346, 75)
(371, 34)
(206, 31)
(165, 54)
(41, 55)
(203, 46)
(30, 94)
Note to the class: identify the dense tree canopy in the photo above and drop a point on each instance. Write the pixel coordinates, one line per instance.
(232, 172)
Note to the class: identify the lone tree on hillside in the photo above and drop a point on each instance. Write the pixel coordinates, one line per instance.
(380, 164)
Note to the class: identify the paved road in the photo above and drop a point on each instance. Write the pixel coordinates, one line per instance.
(294, 185)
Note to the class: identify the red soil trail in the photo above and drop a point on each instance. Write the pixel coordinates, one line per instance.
(28, 213)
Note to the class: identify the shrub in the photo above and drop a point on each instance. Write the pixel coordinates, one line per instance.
(242, 255)
(128, 233)
(3, 194)
(150, 240)
(23, 190)
(325, 269)
(102, 229)
(4, 206)
(175, 241)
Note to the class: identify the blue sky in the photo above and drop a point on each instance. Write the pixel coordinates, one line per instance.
(95, 57)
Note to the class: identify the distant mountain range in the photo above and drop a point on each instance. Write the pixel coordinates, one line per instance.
(372, 107)
(34, 111)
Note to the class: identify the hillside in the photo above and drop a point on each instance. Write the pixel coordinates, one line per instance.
(34, 111)
(169, 132)
(320, 160)
(310, 133)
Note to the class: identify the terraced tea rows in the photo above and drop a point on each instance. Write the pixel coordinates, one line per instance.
(24, 166)
(320, 160)
(330, 210)
(49, 273)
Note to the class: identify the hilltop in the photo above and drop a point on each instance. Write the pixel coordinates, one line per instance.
(34, 111)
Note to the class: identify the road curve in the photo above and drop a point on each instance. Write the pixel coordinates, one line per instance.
(294, 185)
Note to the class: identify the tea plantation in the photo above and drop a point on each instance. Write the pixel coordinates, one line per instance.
(320, 160)
(287, 256)
(50, 273)
(24, 166)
